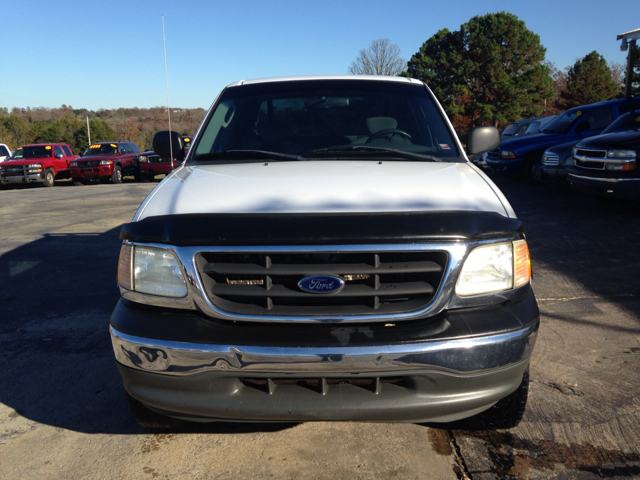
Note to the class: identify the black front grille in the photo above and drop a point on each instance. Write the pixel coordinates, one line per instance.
(375, 282)
(588, 163)
(157, 159)
(92, 163)
(582, 152)
(494, 154)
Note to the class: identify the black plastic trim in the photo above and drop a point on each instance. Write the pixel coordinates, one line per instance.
(181, 326)
(318, 229)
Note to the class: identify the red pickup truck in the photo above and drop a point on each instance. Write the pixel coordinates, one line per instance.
(40, 163)
(106, 161)
(152, 164)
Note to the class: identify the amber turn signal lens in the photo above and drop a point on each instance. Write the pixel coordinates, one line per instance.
(522, 263)
(124, 267)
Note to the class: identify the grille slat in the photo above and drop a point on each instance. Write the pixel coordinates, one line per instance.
(267, 283)
(312, 269)
(280, 291)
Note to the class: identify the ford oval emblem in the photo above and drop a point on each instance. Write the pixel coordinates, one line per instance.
(321, 284)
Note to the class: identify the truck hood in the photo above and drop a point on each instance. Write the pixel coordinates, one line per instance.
(542, 139)
(92, 158)
(27, 161)
(620, 141)
(324, 187)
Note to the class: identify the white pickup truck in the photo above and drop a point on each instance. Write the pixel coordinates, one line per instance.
(326, 251)
(5, 152)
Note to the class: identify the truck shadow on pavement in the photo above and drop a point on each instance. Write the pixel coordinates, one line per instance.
(582, 413)
(58, 367)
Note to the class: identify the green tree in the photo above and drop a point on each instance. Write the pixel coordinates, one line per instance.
(100, 132)
(17, 130)
(489, 71)
(589, 81)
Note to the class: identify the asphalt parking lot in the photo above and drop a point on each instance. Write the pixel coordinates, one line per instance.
(62, 408)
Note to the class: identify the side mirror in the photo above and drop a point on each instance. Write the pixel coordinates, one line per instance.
(483, 139)
(59, 156)
(168, 143)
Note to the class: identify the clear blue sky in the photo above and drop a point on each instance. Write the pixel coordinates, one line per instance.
(109, 54)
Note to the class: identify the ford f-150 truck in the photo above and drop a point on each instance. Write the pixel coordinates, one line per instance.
(520, 154)
(326, 251)
(42, 163)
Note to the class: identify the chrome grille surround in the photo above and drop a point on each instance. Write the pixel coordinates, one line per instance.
(444, 297)
(550, 159)
(590, 159)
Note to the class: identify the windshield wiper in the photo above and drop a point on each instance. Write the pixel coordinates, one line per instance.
(228, 154)
(394, 151)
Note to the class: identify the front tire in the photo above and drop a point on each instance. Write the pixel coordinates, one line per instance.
(49, 177)
(150, 419)
(116, 177)
(507, 413)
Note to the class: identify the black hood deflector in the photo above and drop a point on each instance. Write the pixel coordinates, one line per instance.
(319, 229)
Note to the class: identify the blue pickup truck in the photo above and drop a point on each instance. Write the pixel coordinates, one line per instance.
(520, 154)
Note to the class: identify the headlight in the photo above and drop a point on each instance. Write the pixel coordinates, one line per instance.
(491, 268)
(73, 164)
(621, 154)
(106, 162)
(507, 154)
(155, 271)
(142, 158)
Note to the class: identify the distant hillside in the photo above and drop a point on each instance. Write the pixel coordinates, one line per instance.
(21, 126)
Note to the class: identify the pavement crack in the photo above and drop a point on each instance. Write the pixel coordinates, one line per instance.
(460, 467)
(565, 389)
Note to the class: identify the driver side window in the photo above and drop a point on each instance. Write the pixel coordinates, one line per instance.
(597, 120)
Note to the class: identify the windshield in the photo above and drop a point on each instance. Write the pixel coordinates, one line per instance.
(326, 119)
(17, 154)
(562, 123)
(40, 151)
(627, 122)
(101, 149)
(510, 130)
(534, 127)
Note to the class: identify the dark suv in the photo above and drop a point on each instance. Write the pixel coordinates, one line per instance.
(607, 164)
(106, 161)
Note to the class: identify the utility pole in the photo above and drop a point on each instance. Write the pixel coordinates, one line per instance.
(630, 61)
(629, 40)
(88, 130)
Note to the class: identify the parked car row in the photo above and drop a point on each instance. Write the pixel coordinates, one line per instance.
(108, 162)
(594, 147)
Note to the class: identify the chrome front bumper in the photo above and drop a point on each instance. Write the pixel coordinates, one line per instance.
(33, 178)
(461, 356)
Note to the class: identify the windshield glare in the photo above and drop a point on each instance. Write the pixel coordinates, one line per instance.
(37, 152)
(101, 149)
(627, 122)
(305, 117)
(562, 123)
